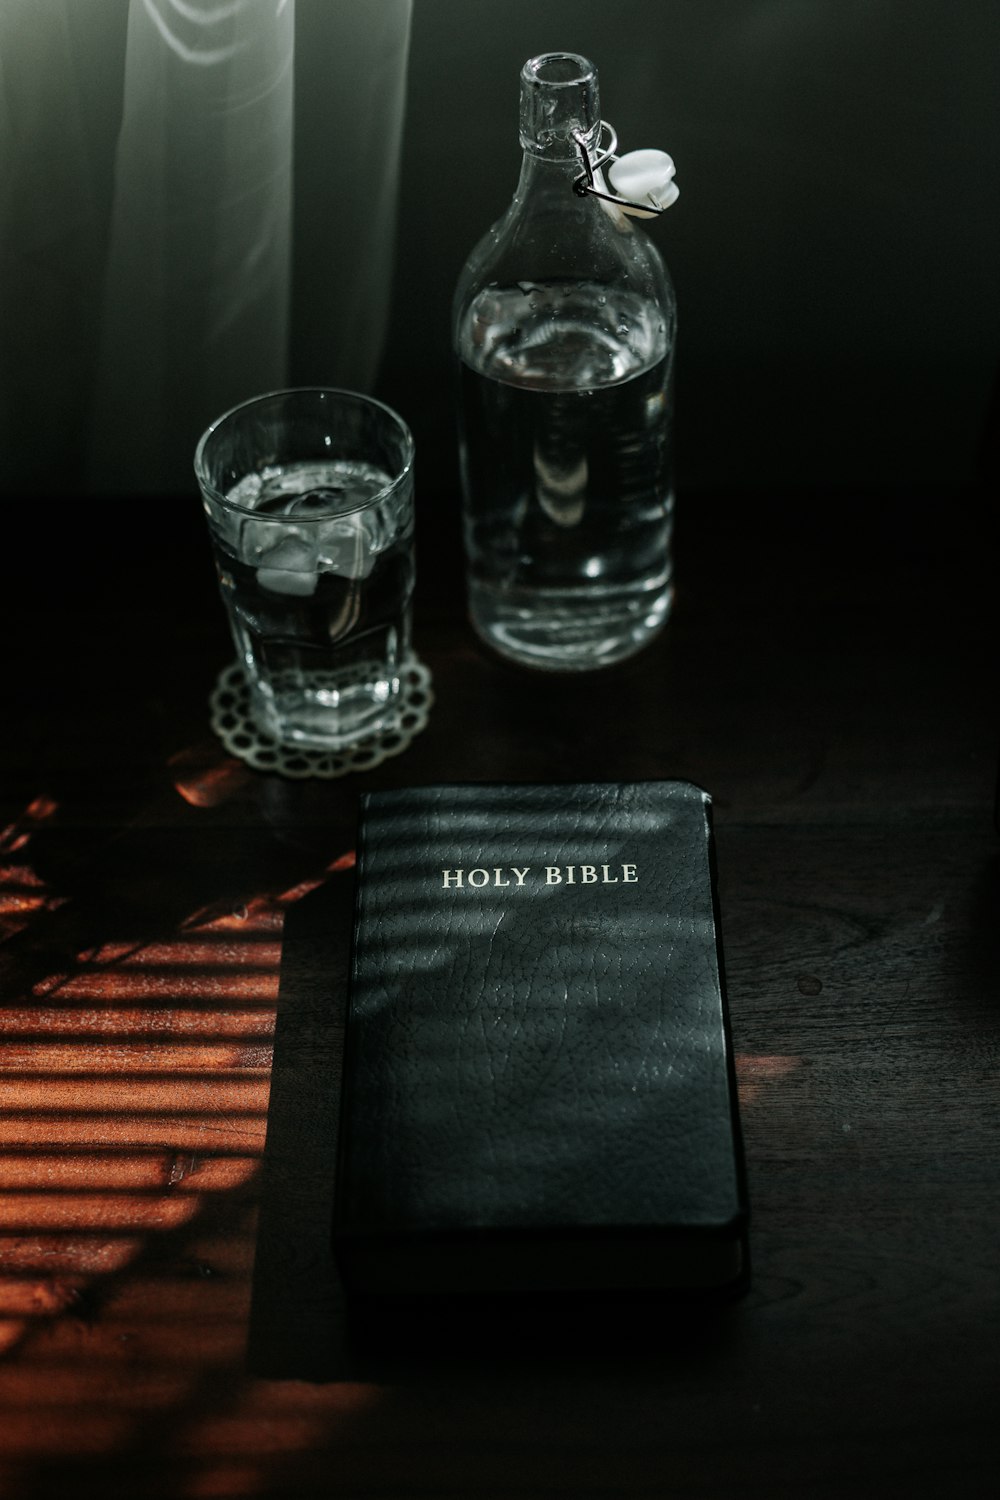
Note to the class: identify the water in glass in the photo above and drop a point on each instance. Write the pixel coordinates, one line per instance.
(318, 593)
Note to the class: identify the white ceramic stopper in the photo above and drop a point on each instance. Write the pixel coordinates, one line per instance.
(644, 177)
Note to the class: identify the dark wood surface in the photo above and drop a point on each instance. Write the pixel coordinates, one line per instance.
(169, 1321)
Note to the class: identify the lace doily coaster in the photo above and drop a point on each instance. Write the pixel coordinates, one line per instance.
(231, 721)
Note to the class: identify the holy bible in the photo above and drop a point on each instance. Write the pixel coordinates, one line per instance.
(538, 1088)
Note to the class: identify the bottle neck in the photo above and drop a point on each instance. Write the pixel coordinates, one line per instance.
(560, 108)
(542, 177)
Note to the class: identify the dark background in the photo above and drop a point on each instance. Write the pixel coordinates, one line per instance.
(834, 248)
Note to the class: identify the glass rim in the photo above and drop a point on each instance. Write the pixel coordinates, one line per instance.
(357, 398)
(532, 71)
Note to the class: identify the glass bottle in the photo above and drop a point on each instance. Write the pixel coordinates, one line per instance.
(564, 323)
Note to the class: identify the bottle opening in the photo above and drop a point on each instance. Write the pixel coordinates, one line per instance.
(559, 68)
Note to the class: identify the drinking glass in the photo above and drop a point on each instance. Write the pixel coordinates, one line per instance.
(309, 499)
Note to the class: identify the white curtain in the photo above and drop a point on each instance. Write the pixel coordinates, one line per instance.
(197, 203)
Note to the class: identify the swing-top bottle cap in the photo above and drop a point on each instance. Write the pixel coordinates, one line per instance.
(644, 177)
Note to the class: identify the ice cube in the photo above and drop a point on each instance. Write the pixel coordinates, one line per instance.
(289, 568)
(346, 547)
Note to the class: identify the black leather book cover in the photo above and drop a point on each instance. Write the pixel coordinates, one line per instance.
(539, 1088)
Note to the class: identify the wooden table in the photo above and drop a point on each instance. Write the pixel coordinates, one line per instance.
(830, 676)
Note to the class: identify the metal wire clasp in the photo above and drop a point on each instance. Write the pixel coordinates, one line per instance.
(586, 182)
